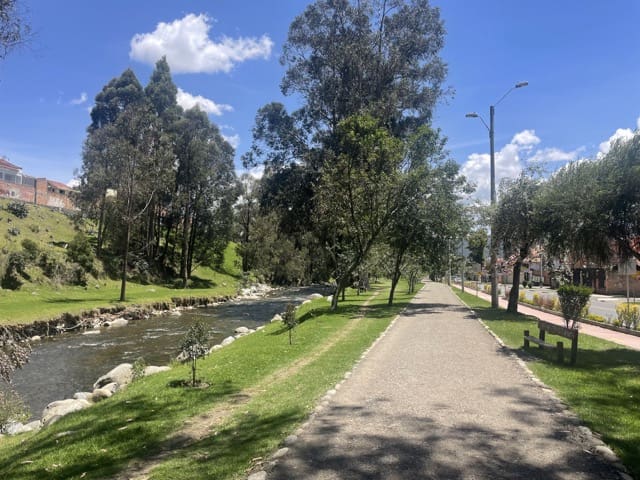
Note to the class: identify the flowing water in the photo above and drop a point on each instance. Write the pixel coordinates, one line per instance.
(69, 363)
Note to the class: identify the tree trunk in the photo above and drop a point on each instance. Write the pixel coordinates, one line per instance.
(125, 261)
(185, 248)
(395, 277)
(101, 224)
(515, 287)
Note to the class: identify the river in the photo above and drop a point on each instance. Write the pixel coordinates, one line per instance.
(62, 365)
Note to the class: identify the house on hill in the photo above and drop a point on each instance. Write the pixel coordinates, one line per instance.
(40, 191)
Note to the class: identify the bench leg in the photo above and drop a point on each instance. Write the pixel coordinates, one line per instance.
(541, 336)
(526, 340)
(560, 351)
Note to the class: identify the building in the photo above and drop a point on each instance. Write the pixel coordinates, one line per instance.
(39, 191)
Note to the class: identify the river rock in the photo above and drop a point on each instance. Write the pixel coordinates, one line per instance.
(276, 318)
(36, 338)
(116, 322)
(91, 332)
(15, 428)
(215, 348)
(122, 375)
(100, 394)
(242, 330)
(314, 296)
(306, 301)
(34, 426)
(82, 396)
(150, 370)
(60, 408)
(329, 298)
(228, 341)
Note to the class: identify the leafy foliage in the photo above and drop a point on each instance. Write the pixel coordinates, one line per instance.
(573, 301)
(12, 408)
(14, 27)
(289, 319)
(15, 271)
(194, 346)
(14, 353)
(19, 209)
(628, 314)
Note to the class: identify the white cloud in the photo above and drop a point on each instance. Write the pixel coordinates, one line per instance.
(234, 140)
(508, 163)
(526, 138)
(80, 100)
(553, 154)
(257, 172)
(73, 183)
(622, 134)
(189, 49)
(188, 101)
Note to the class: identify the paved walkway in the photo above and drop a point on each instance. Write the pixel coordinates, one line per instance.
(437, 398)
(620, 338)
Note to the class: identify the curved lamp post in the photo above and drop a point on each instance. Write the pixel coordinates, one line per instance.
(493, 245)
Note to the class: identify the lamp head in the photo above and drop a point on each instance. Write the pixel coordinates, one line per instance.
(521, 84)
(471, 115)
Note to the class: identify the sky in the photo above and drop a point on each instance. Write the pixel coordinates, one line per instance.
(580, 57)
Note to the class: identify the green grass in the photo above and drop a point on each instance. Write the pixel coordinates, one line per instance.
(133, 424)
(603, 388)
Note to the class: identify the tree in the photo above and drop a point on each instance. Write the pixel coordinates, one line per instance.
(360, 189)
(516, 224)
(99, 166)
(289, 319)
(194, 346)
(477, 244)
(14, 27)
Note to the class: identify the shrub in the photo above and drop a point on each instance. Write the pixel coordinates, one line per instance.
(194, 345)
(596, 318)
(12, 409)
(289, 319)
(573, 301)
(30, 249)
(628, 314)
(547, 302)
(15, 231)
(487, 288)
(81, 252)
(522, 297)
(16, 265)
(537, 299)
(138, 368)
(19, 209)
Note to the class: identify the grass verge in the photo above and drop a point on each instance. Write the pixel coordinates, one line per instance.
(40, 302)
(603, 388)
(263, 386)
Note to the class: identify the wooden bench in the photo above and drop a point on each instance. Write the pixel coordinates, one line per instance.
(552, 328)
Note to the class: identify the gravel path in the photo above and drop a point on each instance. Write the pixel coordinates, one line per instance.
(437, 398)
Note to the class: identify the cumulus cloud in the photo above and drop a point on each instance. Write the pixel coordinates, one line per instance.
(622, 134)
(508, 163)
(234, 140)
(80, 100)
(189, 49)
(548, 155)
(73, 183)
(188, 101)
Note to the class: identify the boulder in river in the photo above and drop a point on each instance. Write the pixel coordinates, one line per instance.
(242, 330)
(313, 296)
(276, 318)
(82, 396)
(60, 408)
(116, 322)
(121, 375)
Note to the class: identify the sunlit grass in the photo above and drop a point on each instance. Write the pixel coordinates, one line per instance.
(101, 441)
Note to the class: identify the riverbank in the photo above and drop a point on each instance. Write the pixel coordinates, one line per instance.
(260, 389)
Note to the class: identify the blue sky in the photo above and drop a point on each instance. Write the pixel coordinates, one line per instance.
(581, 59)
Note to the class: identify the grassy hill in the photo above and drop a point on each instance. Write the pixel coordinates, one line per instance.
(42, 297)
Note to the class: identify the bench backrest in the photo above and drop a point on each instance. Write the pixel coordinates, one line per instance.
(552, 328)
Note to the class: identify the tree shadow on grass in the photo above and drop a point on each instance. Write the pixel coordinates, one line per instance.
(101, 441)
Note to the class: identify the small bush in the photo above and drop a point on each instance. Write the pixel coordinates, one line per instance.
(30, 249)
(596, 318)
(194, 346)
(487, 288)
(15, 272)
(547, 302)
(15, 231)
(138, 368)
(289, 319)
(34, 228)
(537, 300)
(628, 314)
(81, 252)
(19, 209)
(573, 301)
(522, 297)
(12, 408)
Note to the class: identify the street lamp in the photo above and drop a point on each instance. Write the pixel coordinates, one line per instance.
(493, 246)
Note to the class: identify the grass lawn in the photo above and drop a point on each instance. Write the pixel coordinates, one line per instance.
(261, 387)
(603, 388)
(40, 302)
